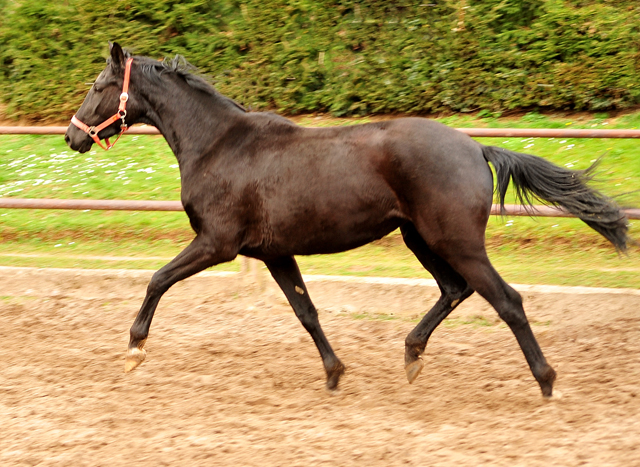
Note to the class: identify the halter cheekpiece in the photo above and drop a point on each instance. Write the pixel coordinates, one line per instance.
(119, 115)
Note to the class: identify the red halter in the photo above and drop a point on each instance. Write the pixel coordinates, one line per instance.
(120, 115)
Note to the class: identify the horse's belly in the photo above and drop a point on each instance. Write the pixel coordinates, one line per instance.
(314, 231)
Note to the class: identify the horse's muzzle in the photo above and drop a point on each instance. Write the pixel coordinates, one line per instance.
(77, 140)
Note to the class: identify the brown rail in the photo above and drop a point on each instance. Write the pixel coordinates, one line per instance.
(547, 211)
(60, 130)
(90, 204)
(477, 132)
(148, 205)
(549, 133)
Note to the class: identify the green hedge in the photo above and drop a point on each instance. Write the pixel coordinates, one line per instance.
(345, 57)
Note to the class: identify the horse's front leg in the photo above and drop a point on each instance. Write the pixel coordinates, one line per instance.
(286, 273)
(196, 257)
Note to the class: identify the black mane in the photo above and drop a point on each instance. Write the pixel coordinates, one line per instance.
(154, 69)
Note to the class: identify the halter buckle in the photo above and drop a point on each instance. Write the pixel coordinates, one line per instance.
(124, 97)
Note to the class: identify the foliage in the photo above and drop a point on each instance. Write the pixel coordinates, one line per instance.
(346, 57)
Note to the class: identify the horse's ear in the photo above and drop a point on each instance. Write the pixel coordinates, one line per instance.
(117, 55)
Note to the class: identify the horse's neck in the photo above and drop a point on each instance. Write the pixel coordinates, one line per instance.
(190, 120)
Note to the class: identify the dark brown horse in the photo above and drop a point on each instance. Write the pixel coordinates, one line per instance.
(258, 185)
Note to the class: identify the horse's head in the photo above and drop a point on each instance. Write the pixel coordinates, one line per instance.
(107, 108)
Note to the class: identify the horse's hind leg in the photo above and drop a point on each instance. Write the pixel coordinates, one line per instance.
(286, 273)
(470, 260)
(196, 257)
(453, 288)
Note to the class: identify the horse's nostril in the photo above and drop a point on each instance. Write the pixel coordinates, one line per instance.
(67, 139)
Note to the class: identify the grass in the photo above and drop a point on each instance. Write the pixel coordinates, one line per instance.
(524, 250)
(477, 321)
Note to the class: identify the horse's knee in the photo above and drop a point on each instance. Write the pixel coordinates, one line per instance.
(157, 284)
(308, 317)
(513, 317)
(511, 310)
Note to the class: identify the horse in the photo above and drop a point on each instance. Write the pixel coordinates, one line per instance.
(256, 184)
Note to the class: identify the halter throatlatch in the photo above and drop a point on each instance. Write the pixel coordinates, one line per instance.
(120, 115)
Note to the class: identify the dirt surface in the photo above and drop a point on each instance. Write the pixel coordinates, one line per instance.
(232, 378)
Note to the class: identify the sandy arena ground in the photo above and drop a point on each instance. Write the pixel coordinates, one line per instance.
(232, 378)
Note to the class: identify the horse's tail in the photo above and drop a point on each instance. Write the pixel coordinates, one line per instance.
(535, 178)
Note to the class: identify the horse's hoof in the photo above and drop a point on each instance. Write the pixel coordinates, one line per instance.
(554, 396)
(333, 376)
(134, 358)
(413, 369)
(546, 380)
(332, 392)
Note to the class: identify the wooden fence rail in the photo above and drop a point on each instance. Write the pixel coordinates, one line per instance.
(148, 205)
(476, 132)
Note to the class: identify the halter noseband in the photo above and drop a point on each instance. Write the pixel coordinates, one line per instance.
(119, 115)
